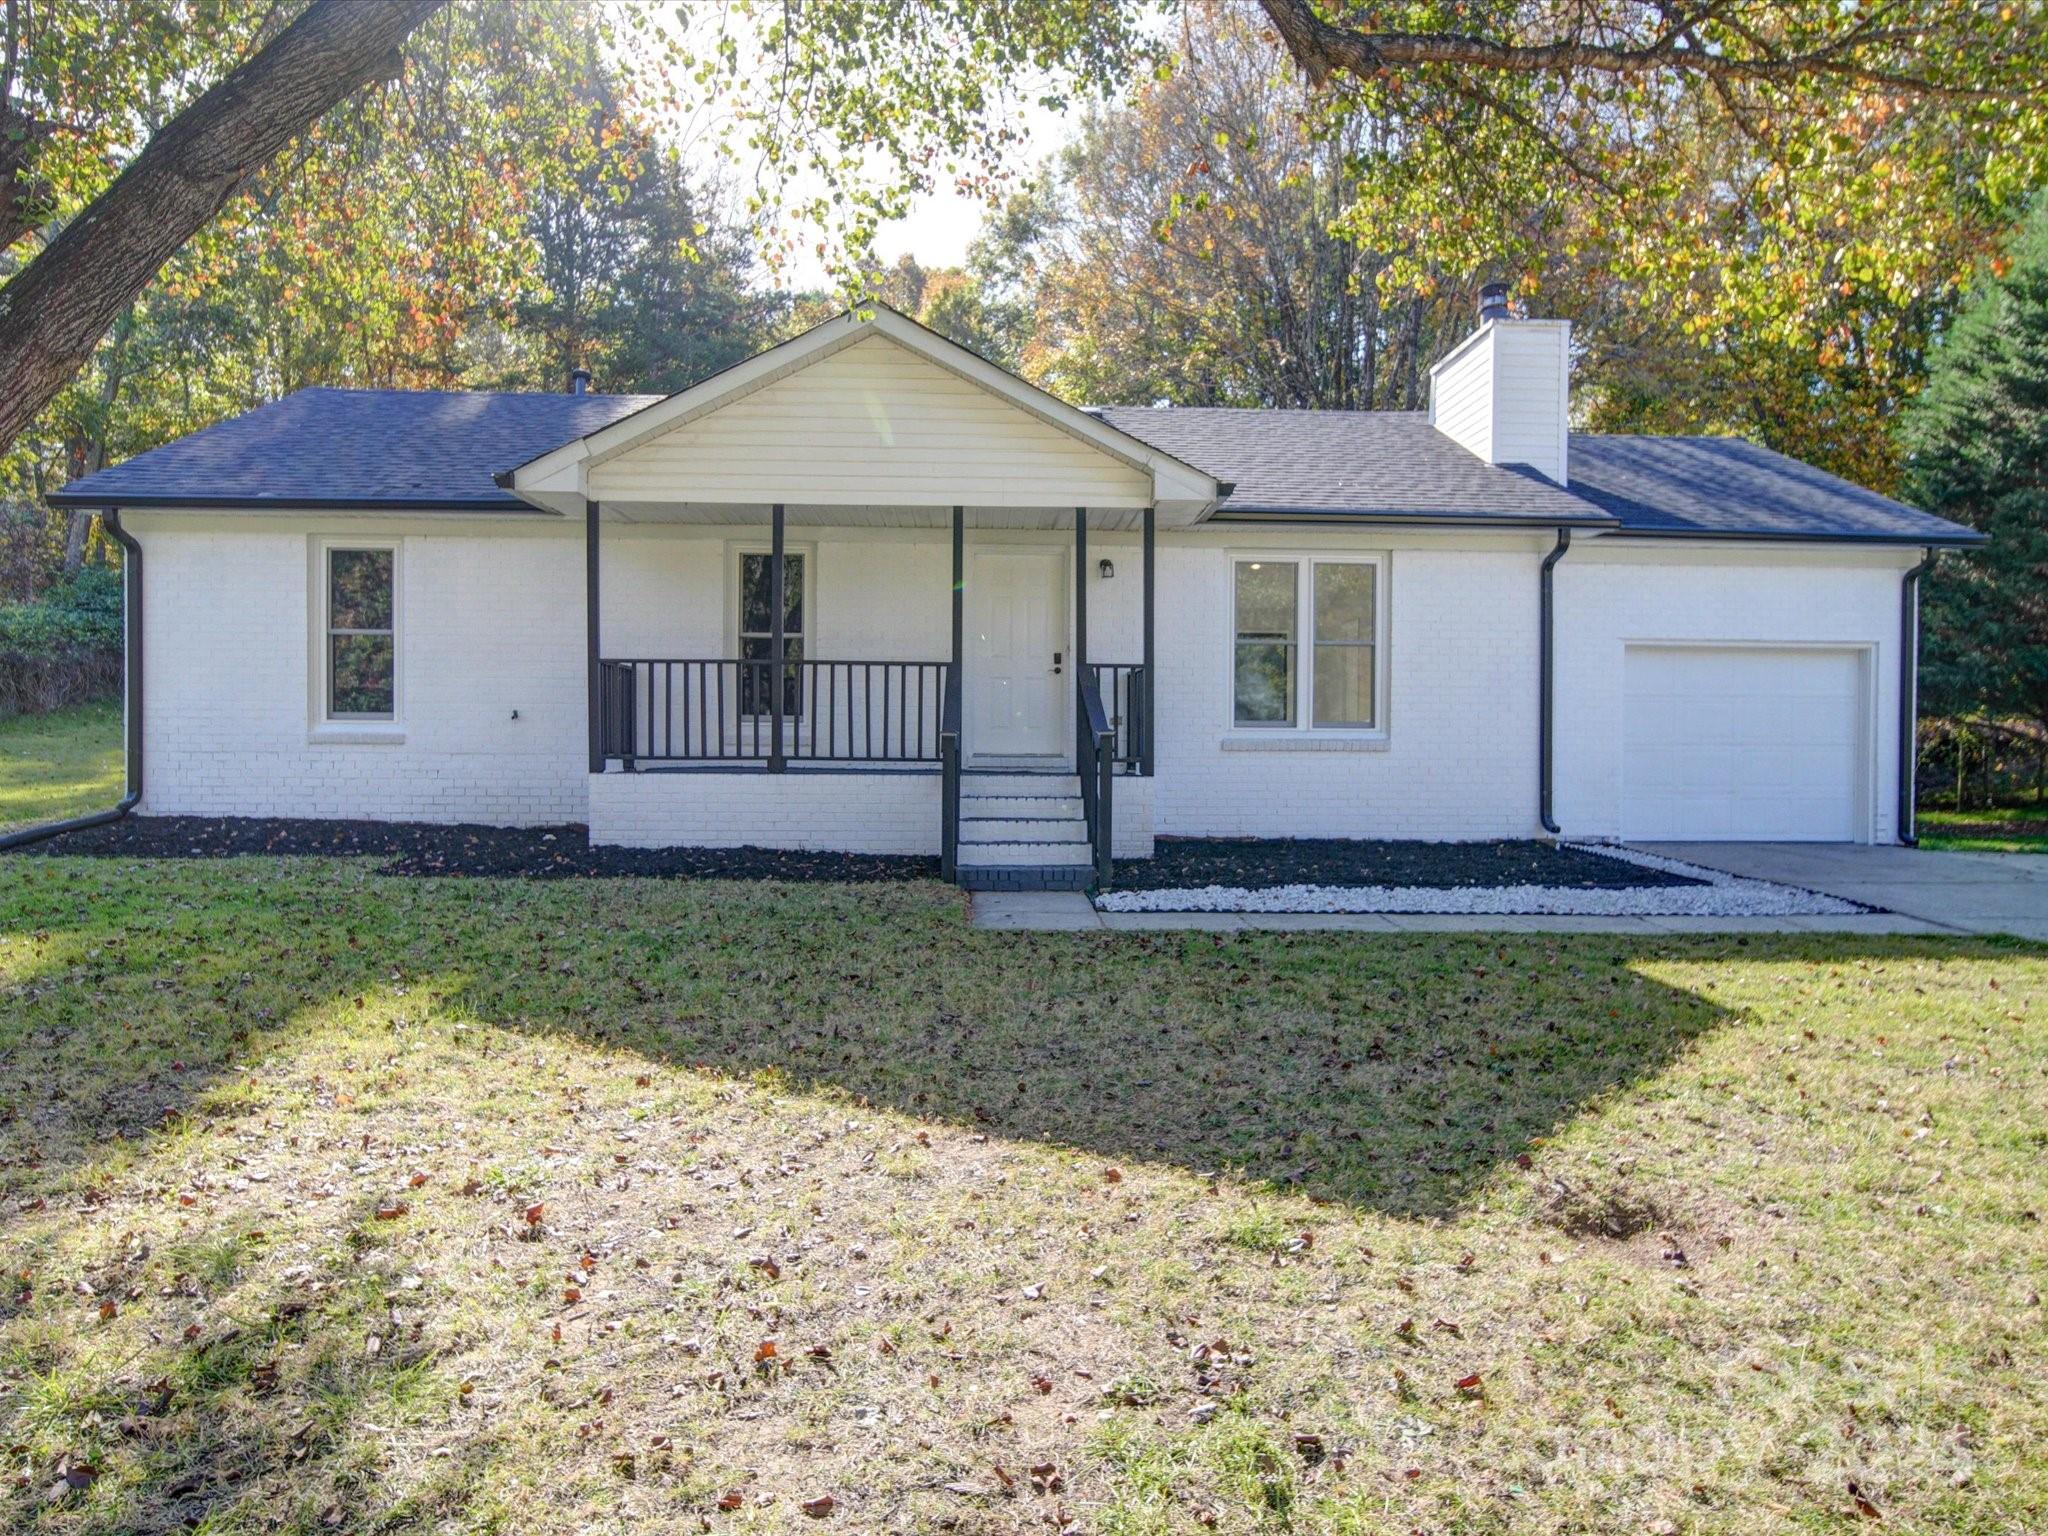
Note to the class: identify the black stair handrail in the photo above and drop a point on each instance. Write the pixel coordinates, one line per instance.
(949, 770)
(1095, 753)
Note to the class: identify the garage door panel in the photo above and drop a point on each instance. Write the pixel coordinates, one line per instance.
(1743, 742)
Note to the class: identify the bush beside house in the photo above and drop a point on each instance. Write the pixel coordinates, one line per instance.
(63, 648)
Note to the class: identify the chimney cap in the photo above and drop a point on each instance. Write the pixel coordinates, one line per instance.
(1493, 302)
(579, 381)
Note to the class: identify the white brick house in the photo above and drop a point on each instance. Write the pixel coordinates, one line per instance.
(1026, 636)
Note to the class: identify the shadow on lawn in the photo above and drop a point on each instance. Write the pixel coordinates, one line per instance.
(1393, 1075)
(1389, 1074)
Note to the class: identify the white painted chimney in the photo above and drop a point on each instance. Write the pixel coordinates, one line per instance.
(1504, 393)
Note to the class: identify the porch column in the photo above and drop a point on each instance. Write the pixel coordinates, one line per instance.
(1080, 618)
(1080, 589)
(595, 670)
(1146, 692)
(776, 641)
(959, 591)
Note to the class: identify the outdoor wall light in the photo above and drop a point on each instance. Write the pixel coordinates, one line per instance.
(1105, 568)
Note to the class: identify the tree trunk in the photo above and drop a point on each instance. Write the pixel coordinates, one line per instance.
(54, 313)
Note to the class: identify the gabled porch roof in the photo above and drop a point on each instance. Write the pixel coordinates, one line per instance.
(866, 418)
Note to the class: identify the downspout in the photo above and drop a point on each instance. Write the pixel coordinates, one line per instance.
(1545, 664)
(1909, 699)
(131, 560)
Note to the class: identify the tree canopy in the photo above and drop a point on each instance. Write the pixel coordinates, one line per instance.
(1978, 440)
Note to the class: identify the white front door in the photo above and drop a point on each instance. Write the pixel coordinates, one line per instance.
(1019, 677)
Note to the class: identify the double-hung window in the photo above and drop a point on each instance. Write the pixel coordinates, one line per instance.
(756, 636)
(361, 624)
(1306, 643)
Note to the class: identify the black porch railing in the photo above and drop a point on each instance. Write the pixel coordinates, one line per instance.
(706, 711)
(1124, 696)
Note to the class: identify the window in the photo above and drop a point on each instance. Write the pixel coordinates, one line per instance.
(1328, 681)
(362, 648)
(1266, 612)
(757, 620)
(1345, 643)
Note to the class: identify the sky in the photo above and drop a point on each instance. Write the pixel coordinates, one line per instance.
(942, 223)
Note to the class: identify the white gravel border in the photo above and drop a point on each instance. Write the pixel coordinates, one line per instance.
(1723, 895)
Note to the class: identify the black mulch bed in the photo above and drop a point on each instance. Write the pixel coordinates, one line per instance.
(1181, 863)
(420, 848)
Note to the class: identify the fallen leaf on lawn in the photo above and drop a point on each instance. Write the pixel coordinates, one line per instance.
(731, 1500)
(819, 1507)
(391, 1211)
(533, 1213)
(1864, 1507)
(1469, 1383)
(765, 1350)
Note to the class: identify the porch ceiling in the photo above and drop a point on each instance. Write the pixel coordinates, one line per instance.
(798, 515)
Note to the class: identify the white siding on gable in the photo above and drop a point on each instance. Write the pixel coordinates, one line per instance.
(871, 423)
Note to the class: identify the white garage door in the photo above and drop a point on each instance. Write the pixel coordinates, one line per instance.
(1743, 742)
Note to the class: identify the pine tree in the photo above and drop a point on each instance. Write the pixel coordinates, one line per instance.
(1978, 444)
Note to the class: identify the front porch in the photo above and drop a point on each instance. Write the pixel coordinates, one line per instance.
(856, 675)
(1016, 755)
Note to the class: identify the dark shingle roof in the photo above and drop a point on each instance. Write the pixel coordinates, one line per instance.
(1724, 486)
(359, 448)
(1390, 464)
(440, 451)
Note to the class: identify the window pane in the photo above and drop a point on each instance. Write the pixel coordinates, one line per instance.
(1265, 599)
(359, 589)
(1343, 602)
(1344, 685)
(360, 675)
(754, 696)
(755, 614)
(793, 594)
(756, 586)
(1265, 683)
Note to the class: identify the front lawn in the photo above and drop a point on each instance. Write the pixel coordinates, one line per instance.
(2001, 829)
(334, 1202)
(65, 763)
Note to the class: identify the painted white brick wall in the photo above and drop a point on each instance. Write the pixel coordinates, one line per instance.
(1459, 759)
(1610, 595)
(850, 811)
(492, 622)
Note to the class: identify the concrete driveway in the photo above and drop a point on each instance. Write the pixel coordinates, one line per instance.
(1965, 892)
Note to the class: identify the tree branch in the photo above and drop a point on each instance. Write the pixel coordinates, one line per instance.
(1324, 48)
(54, 313)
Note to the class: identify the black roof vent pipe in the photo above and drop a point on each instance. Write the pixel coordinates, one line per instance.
(579, 381)
(1493, 302)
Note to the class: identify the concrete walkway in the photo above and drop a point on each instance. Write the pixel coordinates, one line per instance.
(1920, 891)
(1951, 892)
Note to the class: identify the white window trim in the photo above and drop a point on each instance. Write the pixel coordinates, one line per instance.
(326, 729)
(1303, 732)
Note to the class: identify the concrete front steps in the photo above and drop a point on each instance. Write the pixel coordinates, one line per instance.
(1023, 832)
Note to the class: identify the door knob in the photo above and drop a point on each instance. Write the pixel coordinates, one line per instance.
(1055, 663)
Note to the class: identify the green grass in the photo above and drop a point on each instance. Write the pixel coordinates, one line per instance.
(2002, 829)
(333, 1202)
(65, 763)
